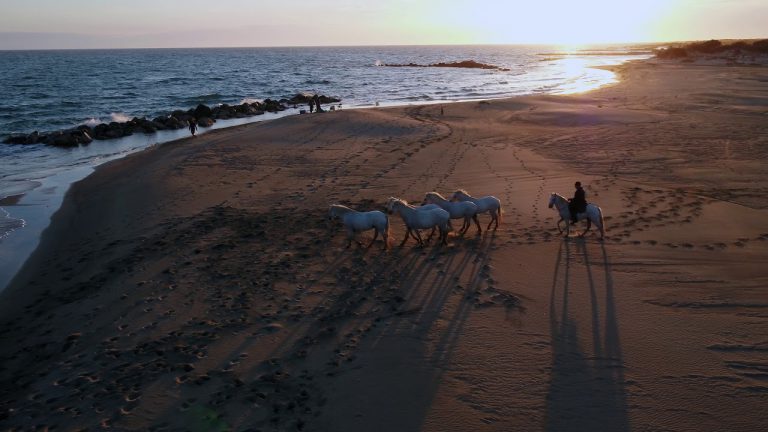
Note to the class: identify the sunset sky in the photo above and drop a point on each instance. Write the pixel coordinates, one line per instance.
(198, 23)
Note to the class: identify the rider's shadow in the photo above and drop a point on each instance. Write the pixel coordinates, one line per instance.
(586, 389)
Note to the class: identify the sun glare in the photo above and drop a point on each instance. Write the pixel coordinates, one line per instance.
(549, 22)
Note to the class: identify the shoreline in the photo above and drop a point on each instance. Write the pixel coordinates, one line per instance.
(35, 222)
(200, 276)
(36, 207)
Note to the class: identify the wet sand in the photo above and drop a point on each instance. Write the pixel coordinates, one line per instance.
(199, 286)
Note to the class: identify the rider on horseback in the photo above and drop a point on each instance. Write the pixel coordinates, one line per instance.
(577, 204)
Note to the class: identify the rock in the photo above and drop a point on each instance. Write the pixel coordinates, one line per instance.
(223, 112)
(181, 115)
(304, 98)
(177, 119)
(202, 111)
(328, 99)
(175, 123)
(81, 135)
(33, 138)
(159, 123)
(114, 130)
(300, 99)
(16, 139)
(205, 122)
(99, 131)
(145, 126)
(465, 64)
(246, 110)
(273, 106)
(61, 139)
(148, 128)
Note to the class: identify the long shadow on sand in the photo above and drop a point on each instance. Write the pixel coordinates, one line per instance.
(406, 355)
(586, 389)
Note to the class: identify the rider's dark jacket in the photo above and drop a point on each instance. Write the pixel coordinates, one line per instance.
(579, 201)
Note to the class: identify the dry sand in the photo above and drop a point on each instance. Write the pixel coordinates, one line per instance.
(199, 286)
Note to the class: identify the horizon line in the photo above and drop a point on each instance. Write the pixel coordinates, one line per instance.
(586, 44)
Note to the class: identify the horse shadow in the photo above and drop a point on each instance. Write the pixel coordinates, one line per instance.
(436, 287)
(587, 387)
(413, 299)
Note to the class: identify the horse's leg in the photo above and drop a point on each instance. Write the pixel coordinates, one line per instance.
(467, 223)
(418, 238)
(464, 227)
(385, 236)
(589, 225)
(493, 218)
(350, 237)
(375, 236)
(477, 223)
(444, 235)
(407, 233)
(429, 237)
(558, 225)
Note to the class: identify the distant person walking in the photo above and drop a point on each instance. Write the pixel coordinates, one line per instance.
(311, 105)
(317, 103)
(192, 126)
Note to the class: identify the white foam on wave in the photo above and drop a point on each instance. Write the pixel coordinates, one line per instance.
(119, 117)
(92, 122)
(9, 224)
(250, 100)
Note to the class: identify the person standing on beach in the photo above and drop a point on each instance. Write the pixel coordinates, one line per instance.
(192, 126)
(317, 103)
(577, 204)
(311, 105)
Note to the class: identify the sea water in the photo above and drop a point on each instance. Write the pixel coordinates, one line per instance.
(52, 90)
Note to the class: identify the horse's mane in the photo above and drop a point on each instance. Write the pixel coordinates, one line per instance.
(395, 199)
(464, 191)
(341, 207)
(438, 195)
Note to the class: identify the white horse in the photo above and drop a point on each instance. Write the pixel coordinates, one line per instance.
(355, 221)
(489, 204)
(593, 215)
(458, 210)
(416, 220)
(424, 207)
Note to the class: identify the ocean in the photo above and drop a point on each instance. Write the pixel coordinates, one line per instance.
(53, 90)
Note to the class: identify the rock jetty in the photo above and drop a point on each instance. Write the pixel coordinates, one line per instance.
(466, 64)
(204, 115)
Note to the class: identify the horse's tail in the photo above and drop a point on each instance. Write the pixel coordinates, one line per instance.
(386, 231)
(500, 212)
(602, 222)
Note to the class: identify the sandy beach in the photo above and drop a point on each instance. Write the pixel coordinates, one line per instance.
(198, 285)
